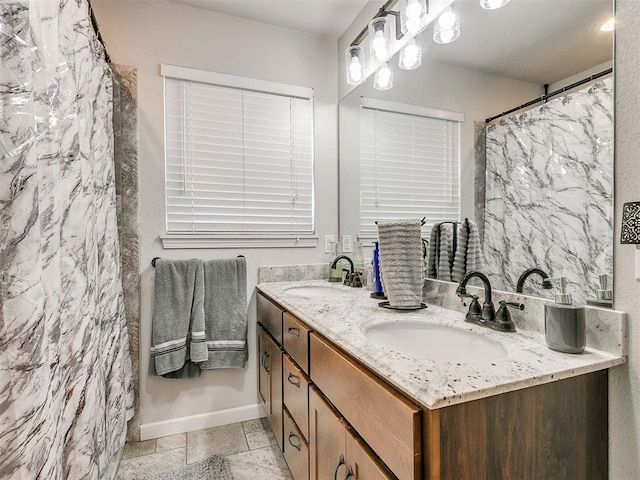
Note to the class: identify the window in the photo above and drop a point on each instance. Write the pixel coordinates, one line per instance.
(238, 158)
(409, 165)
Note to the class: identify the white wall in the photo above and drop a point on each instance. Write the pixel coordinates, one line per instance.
(146, 34)
(624, 386)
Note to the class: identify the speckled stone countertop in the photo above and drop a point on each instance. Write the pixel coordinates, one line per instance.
(344, 316)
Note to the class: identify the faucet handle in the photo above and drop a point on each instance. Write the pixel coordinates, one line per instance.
(503, 322)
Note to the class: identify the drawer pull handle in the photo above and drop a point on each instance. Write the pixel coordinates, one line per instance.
(265, 356)
(293, 435)
(349, 473)
(340, 463)
(294, 380)
(293, 331)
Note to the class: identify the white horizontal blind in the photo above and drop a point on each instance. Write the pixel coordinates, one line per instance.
(237, 160)
(409, 168)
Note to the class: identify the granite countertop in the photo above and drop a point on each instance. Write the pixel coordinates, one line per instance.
(344, 316)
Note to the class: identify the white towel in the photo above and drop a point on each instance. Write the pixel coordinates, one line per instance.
(475, 258)
(432, 256)
(401, 262)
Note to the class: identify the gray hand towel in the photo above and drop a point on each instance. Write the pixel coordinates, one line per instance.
(178, 315)
(432, 256)
(460, 257)
(401, 263)
(445, 257)
(225, 307)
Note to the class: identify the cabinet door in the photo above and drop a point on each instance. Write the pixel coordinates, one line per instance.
(361, 463)
(264, 379)
(274, 368)
(326, 440)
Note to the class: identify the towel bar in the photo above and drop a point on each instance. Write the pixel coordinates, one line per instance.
(154, 259)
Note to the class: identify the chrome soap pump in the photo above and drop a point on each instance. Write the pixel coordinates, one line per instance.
(564, 324)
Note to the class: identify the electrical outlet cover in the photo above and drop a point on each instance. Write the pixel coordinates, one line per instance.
(329, 241)
(347, 244)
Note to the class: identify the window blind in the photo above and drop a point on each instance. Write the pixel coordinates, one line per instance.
(409, 167)
(237, 160)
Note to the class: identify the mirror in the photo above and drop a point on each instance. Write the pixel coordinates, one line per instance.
(503, 59)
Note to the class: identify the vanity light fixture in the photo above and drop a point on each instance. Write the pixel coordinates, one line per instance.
(355, 65)
(413, 16)
(493, 4)
(383, 78)
(410, 56)
(447, 26)
(630, 232)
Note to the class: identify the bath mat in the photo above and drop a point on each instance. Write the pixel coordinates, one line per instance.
(213, 468)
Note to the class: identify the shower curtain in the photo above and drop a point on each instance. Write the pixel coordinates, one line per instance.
(65, 370)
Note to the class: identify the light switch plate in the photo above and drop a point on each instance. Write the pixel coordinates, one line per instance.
(329, 243)
(347, 244)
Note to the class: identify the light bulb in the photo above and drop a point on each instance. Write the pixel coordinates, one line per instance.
(414, 25)
(607, 26)
(447, 20)
(414, 9)
(446, 36)
(493, 4)
(383, 79)
(410, 56)
(355, 69)
(379, 45)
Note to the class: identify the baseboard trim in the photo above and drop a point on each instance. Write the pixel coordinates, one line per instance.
(198, 422)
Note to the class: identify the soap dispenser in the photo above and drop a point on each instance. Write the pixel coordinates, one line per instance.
(564, 325)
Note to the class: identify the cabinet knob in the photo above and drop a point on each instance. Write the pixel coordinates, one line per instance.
(294, 380)
(294, 445)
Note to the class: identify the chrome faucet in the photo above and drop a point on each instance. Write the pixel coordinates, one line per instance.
(352, 279)
(485, 314)
(546, 282)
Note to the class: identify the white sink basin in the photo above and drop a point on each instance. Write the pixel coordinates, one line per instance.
(313, 291)
(434, 342)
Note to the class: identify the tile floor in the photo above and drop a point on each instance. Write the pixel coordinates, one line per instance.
(250, 448)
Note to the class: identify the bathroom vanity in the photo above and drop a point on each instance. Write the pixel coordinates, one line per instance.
(343, 405)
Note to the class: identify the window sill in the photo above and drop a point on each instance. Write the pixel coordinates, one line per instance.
(171, 241)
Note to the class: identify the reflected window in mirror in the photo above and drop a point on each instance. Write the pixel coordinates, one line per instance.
(409, 164)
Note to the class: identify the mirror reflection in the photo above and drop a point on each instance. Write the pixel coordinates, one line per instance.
(537, 182)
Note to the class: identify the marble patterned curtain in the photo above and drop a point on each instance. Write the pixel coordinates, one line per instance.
(549, 192)
(65, 369)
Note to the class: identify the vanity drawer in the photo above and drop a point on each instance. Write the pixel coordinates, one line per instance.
(296, 341)
(295, 385)
(270, 316)
(385, 419)
(296, 451)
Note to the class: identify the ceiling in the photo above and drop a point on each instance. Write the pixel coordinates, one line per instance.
(539, 41)
(327, 18)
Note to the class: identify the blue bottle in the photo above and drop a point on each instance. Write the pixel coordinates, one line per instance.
(377, 284)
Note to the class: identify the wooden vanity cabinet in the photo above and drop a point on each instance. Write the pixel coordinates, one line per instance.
(349, 423)
(334, 449)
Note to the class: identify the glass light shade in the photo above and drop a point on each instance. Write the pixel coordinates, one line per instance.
(411, 56)
(413, 16)
(383, 79)
(493, 4)
(355, 65)
(379, 43)
(446, 28)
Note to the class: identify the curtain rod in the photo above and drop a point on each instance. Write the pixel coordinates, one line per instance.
(547, 96)
(96, 29)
